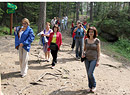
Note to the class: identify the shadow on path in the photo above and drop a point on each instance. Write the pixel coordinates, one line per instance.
(65, 60)
(48, 66)
(10, 75)
(31, 62)
(79, 92)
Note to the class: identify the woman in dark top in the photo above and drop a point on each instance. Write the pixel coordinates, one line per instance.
(92, 54)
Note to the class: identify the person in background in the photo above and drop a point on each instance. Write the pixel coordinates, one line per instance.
(24, 38)
(72, 27)
(73, 35)
(62, 24)
(92, 55)
(53, 21)
(88, 25)
(84, 24)
(79, 30)
(66, 22)
(45, 34)
(58, 23)
(54, 43)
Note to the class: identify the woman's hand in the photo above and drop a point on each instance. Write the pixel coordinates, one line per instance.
(97, 64)
(83, 56)
(14, 29)
(42, 35)
(21, 30)
(21, 44)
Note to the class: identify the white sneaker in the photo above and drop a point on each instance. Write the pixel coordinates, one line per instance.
(93, 89)
(89, 90)
(52, 67)
(48, 60)
(23, 76)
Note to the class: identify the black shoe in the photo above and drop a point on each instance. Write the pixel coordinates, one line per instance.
(53, 63)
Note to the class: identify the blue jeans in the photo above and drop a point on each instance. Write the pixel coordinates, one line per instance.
(79, 43)
(90, 66)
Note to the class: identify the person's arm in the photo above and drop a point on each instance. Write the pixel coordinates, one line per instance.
(60, 39)
(84, 29)
(75, 29)
(84, 49)
(98, 51)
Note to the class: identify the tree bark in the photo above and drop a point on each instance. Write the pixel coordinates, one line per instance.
(77, 11)
(42, 17)
(91, 11)
(87, 8)
(129, 8)
(81, 8)
(60, 10)
(67, 8)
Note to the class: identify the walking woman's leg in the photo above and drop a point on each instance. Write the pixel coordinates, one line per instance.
(25, 62)
(20, 58)
(87, 65)
(77, 46)
(73, 43)
(45, 50)
(91, 71)
(53, 55)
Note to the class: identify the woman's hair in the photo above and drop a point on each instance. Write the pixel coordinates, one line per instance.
(26, 20)
(48, 23)
(56, 27)
(95, 32)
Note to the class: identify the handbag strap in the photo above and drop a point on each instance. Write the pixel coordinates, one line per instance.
(48, 31)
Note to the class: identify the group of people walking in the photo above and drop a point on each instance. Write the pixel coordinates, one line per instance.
(85, 38)
(62, 23)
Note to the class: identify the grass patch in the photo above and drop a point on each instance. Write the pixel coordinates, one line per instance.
(120, 50)
(4, 30)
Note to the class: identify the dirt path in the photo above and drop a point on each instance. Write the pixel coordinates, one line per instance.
(67, 78)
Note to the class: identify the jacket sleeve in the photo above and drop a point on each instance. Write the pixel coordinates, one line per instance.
(50, 38)
(30, 38)
(16, 39)
(60, 39)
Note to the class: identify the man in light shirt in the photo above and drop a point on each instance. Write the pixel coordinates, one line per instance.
(66, 21)
(62, 24)
(53, 21)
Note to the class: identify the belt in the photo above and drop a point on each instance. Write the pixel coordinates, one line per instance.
(78, 37)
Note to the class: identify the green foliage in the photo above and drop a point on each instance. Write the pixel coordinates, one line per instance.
(35, 28)
(4, 30)
(1, 13)
(121, 47)
(123, 44)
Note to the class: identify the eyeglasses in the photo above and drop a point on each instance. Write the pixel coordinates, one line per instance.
(24, 23)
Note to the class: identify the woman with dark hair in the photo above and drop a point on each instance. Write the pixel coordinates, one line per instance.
(54, 43)
(91, 54)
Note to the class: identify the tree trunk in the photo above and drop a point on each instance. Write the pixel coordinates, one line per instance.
(123, 5)
(129, 8)
(60, 10)
(81, 8)
(77, 11)
(67, 8)
(95, 9)
(42, 17)
(91, 11)
(87, 8)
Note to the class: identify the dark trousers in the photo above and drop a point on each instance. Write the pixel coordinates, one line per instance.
(54, 55)
(73, 43)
